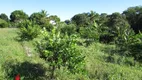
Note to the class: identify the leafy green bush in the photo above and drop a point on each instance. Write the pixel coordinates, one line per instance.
(28, 30)
(90, 34)
(135, 47)
(60, 50)
(3, 24)
(69, 29)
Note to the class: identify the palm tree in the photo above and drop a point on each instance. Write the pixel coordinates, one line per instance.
(44, 13)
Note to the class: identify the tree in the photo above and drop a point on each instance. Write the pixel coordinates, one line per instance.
(134, 17)
(114, 23)
(18, 16)
(93, 18)
(60, 51)
(67, 21)
(87, 26)
(103, 19)
(44, 13)
(54, 18)
(39, 17)
(4, 17)
(80, 20)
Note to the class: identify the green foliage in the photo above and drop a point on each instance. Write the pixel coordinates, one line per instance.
(13, 60)
(115, 27)
(58, 45)
(39, 17)
(133, 15)
(121, 60)
(69, 29)
(60, 50)
(67, 21)
(4, 17)
(85, 20)
(18, 16)
(3, 24)
(28, 30)
(80, 20)
(115, 67)
(54, 18)
(90, 34)
(135, 46)
(14, 25)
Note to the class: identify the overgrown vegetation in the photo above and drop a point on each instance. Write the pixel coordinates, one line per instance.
(89, 46)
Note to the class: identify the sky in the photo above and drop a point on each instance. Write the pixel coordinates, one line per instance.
(66, 9)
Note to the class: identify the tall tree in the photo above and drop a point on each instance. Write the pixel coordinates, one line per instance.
(134, 17)
(80, 20)
(93, 18)
(115, 22)
(18, 15)
(39, 17)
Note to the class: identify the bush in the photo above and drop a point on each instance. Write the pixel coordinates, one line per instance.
(130, 44)
(28, 30)
(3, 24)
(135, 46)
(69, 29)
(90, 34)
(60, 50)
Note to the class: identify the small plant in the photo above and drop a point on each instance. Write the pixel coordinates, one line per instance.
(60, 51)
(28, 30)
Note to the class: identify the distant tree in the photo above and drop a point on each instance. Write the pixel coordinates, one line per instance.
(54, 18)
(4, 17)
(93, 18)
(39, 17)
(102, 19)
(67, 21)
(113, 24)
(80, 20)
(134, 17)
(3, 24)
(18, 15)
(44, 13)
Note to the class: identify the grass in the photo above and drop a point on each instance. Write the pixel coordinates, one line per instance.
(100, 64)
(13, 57)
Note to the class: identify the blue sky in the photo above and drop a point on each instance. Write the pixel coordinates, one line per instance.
(66, 9)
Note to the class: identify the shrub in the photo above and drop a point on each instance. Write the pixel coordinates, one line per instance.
(90, 34)
(60, 50)
(28, 30)
(69, 29)
(3, 24)
(135, 46)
